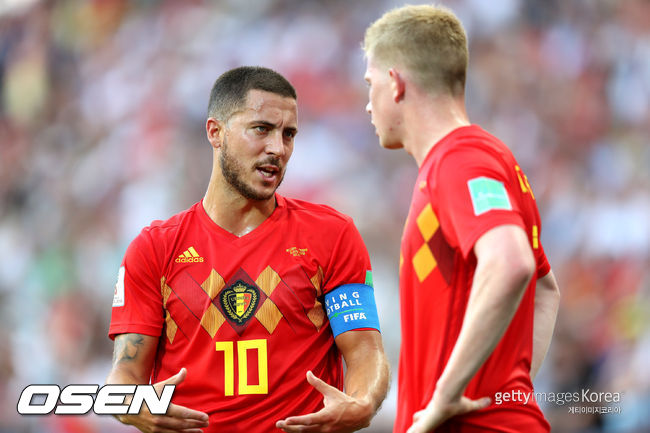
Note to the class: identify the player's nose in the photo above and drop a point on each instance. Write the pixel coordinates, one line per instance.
(369, 108)
(275, 145)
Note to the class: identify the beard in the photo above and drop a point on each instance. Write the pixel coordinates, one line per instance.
(233, 171)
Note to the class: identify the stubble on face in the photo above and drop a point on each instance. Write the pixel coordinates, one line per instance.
(234, 172)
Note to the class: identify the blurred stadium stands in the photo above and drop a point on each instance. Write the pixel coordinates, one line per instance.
(102, 111)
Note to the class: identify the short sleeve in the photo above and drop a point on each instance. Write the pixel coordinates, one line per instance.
(543, 266)
(349, 262)
(137, 301)
(473, 194)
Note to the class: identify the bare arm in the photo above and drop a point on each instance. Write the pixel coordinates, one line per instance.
(547, 303)
(505, 264)
(366, 384)
(367, 374)
(133, 357)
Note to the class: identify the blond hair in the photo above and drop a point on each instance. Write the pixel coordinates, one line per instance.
(429, 41)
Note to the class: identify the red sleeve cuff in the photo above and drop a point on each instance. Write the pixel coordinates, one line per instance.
(134, 328)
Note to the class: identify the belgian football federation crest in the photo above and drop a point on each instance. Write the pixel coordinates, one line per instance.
(239, 301)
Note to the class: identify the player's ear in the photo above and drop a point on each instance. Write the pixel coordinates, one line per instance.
(214, 129)
(397, 85)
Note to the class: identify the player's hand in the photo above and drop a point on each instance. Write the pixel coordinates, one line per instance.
(341, 413)
(439, 411)
(177, 419)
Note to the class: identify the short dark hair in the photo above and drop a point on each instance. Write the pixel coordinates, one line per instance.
(230, 90)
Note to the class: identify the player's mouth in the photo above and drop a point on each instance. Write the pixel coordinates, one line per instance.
(269, 172)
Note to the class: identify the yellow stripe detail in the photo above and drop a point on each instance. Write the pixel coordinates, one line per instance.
(535, 237)
(423, 262)
(317, 280)
(268, 280)
(187, 254)
(521, 181)
(165, 290)
(427, 222)
(317, 315)
(171, 328)
(193, 252)
(212, 320)
(529, 188)
(213, 284)
(269, 315)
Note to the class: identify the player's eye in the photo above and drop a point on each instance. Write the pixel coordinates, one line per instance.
(289, 133)
(261, 129)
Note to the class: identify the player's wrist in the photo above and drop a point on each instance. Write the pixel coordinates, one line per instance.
(363, 409)
(447, 391)
(128, 419)
(124, 419)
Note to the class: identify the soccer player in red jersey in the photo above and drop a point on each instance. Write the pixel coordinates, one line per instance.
(247, 300)
(478, 298)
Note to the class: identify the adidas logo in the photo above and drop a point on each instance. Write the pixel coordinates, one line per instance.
(189, 256)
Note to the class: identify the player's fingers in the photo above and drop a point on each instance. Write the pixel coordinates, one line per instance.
(178, 424)
(189, 430)
(303, 429)
(175, 379)
(415, 428)
(321, 417)
(472, 405)
(182, 412)
(416, 421)
(321, 386)
(299, 428)
(167, 430)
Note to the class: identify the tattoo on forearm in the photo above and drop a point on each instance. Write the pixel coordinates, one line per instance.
(127, 347)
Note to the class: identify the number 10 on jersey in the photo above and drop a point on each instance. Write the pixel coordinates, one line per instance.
(243, 346)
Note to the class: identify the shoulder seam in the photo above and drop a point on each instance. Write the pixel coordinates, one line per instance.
(320, 209)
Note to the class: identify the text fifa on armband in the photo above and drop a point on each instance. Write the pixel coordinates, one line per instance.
(105, 400)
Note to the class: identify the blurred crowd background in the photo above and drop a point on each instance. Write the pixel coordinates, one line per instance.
(102, 112)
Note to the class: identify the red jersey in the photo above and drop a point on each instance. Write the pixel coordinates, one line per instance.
(244, 315)
(468, 184)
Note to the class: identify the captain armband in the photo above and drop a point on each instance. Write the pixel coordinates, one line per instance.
(351, 306)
